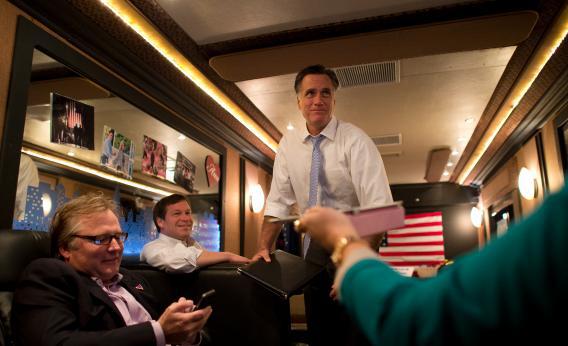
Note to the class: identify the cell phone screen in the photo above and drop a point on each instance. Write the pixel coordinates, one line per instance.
(205, 300)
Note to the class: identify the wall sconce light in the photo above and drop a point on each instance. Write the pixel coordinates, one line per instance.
(46, 203)
(256, 198)
(527, 183)
(476, 216)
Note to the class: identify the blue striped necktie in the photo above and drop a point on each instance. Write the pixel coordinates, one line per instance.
(314, 180)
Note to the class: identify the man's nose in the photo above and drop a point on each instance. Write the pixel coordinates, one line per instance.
(114, 245)
(318, 99)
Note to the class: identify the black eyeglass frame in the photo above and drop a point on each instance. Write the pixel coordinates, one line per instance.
(104, 239)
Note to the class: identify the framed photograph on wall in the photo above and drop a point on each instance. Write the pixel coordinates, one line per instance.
(154, 158)
(117, 152)
(184, 174)
(72, 122)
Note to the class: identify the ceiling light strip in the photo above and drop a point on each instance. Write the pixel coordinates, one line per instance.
(88, 170)
(137, 22)
(544, 52)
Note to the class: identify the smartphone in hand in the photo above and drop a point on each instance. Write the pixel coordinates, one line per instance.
(205, 300)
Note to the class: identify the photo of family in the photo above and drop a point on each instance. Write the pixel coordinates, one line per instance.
(117, 152)
(154, 158)
(184, 172)
(72, 122)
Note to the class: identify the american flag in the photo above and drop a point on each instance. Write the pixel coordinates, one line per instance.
(419, 243)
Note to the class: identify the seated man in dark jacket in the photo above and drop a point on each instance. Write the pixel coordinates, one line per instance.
(85, 298)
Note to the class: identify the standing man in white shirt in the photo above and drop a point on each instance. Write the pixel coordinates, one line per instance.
(175, 250)
(330, 163)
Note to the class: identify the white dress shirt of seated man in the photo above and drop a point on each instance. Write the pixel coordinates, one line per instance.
(173, 219)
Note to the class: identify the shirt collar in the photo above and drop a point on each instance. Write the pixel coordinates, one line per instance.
(117, 278)
(328, 132)
(169, 239)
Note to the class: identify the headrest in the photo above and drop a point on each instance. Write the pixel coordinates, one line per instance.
(17, 250)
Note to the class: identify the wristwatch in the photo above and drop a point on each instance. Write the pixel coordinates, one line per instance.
(337, 254)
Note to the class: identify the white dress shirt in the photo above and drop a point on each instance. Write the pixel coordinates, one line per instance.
(27, 176)
(353, 171)
(171, 255)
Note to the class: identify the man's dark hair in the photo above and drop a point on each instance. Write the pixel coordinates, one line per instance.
(315, 69)
(162, 205)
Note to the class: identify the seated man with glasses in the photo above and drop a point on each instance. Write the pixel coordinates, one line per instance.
(83, 297)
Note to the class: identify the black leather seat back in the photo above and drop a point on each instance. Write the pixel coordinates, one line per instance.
(244, 313)
(17, 249)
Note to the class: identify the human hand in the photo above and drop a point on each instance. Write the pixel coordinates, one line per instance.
(180, 324)
(333, 292)
(262, 253)
(326, 226)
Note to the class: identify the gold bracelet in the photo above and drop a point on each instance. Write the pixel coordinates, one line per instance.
(337, 254)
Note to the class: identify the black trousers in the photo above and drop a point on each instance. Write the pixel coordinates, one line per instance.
(328, 322)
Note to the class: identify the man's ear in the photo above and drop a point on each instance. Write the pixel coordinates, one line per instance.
(160, 223)
(65, 253)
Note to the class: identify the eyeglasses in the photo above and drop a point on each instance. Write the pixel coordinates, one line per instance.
(104, 239)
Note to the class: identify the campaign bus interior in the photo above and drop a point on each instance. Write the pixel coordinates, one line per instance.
(466, 101)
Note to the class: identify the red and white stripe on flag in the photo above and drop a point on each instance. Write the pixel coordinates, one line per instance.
(419, 243)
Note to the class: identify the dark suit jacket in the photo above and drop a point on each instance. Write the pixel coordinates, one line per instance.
(56, 305)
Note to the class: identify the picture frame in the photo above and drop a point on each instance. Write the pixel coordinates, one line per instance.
(154, 158)
(184, 174)
(72, 122)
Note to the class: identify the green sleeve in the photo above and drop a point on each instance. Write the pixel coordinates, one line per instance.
(514, 290)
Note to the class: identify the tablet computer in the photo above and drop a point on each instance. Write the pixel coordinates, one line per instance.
(286, 274)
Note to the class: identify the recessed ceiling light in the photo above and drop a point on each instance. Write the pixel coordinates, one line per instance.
(446, 173)
(181, 137)
(449, 164)
(469, 120)
(455, 153)
(461, 139)
(70, 153)
(290, 127)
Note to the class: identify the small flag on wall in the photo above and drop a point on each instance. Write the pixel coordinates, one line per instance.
(419, 243)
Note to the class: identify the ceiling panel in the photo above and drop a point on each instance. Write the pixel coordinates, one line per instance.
(220, 20)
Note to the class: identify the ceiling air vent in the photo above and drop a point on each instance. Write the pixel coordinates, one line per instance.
(377, 73)
(387, 140)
